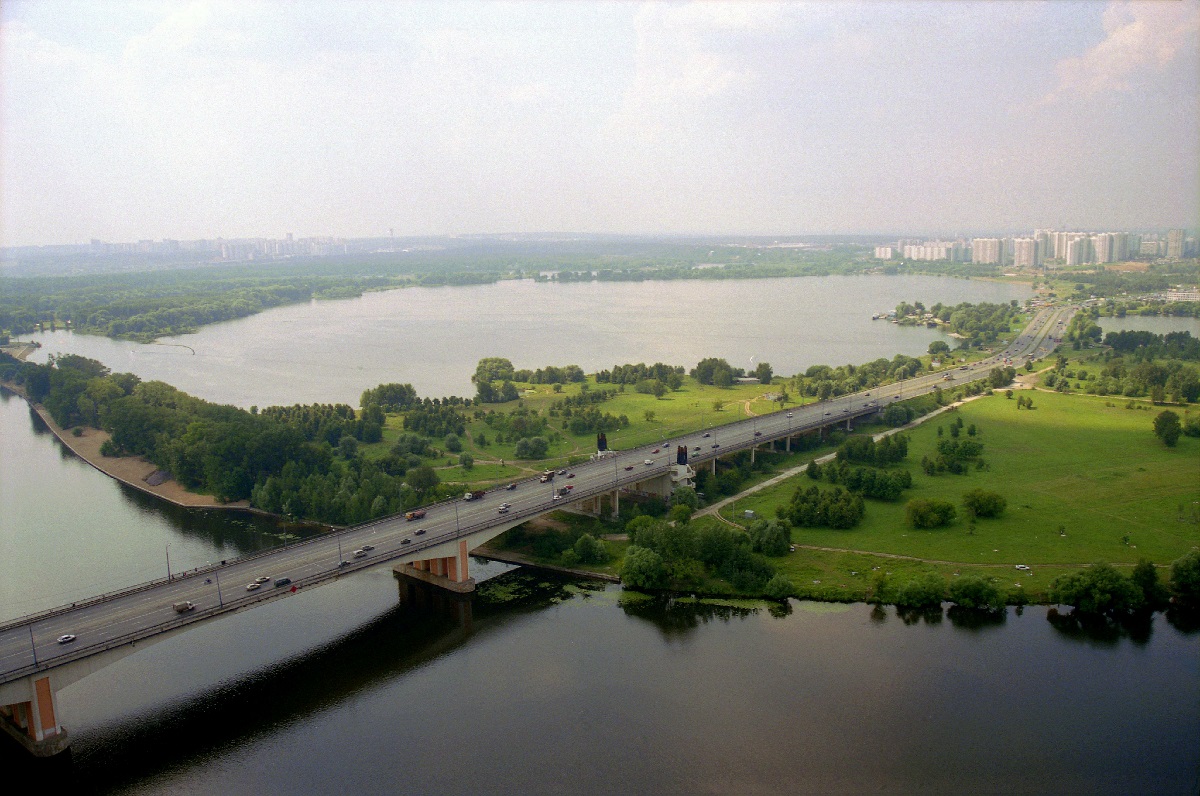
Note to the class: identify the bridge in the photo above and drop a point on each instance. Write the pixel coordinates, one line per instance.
(42, 653)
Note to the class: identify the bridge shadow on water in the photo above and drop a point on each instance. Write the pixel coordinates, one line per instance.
(426, 624)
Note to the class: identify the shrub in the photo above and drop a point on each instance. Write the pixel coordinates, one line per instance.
(1099, 589)
(1185, 578)
(924, 591)
(643, 569)
(779, 588)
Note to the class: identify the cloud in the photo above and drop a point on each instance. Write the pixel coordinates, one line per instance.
(1138, 37)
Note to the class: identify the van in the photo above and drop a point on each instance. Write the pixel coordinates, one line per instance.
(183, 607)
(282, 582)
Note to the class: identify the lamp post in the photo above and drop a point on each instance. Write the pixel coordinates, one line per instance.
(457, 528)
(168, 549)
(32, 645)
(220, 600)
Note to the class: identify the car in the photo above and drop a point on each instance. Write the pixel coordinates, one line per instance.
(827, 414)
(184, 606)
(868, 403)
(261, 579)
(964, 367)
(648, 462)
(343, 564)
(696, 449)
(359, 553)
(402, 541)
(506, 505)
(868, 394)
(706, 434)
(569, 486)
(281, 582)
(253, 586)
(1023, 567)
(66, 638)
(558, 497)
(629, 467)
(502, 510)
(562, 472)
(570, 475)
(655, 450)
(368, 547)
(758, 433)
(789, 414)
(511, 486)
(716, 444)
(420, 532)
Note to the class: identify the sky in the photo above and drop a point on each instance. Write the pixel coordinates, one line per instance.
(129, 120)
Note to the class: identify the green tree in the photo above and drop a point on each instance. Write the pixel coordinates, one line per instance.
(770, 537)
(453, 443)
(680, 514)
(923, 591)
(643, 569)
(939, 348)
(1185, 578)
(929, 512)
(466, 461)
(1145, 577)
(779, 588)
(422, 478)
(685, 496)
(658, 389)
(649, 414)
(1099, 589)
(982, 503)
(763, 373)
(347, 447)
(1167, 427)
(532, 448)
(975, 593)
(492, 369)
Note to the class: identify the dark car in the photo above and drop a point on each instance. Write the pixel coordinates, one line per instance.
(707, 434)
(716, 444)
(629, 467)
(420, 531)
(511, 486)
(279, 582)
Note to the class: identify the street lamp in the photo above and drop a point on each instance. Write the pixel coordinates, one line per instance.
(32, 645)
(220, 600)
(457, 529)
(168, 549)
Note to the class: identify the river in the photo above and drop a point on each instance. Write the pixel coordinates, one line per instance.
(330, 351)
(363, 686)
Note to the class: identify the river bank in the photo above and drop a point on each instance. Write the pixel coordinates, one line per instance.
(133, 471)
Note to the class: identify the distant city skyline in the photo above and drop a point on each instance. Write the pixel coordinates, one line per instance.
(124, 121)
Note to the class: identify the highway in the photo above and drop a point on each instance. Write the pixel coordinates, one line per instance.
(113, 620)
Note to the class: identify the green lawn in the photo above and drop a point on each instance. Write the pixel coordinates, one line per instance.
(1073, 461)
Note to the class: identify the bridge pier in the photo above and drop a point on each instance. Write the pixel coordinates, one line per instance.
(33, 723)
(787, 444)
(448, 572)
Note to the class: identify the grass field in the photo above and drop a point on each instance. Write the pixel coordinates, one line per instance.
(1083, 463)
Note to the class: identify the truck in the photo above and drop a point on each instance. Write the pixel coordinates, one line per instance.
(547, 476)
(414, 515)
(183, 607)
(478, 493)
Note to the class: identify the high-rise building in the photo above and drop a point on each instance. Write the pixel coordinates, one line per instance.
(884, 252)
(1175, 244)
(987, 251)
(1025, 253)
(1102, 248)
(1079, 250)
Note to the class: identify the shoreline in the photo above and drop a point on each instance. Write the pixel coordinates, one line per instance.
(132, 471)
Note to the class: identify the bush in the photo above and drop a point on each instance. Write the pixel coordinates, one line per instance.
(929, 512)
(1167, 427)
(982, 503)
(532, 448)
(770, 537)
(453, 443)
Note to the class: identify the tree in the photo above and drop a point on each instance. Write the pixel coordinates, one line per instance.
(347, 447)
(643, 569)
(685, 496)
(923, 591)
(975, 593)
(1185, 578)
(649, 414)
(938, 348)
(453, 443)
(1099, 589)
(659, 389)
(763, 373)
(680, 514)
(770, 537)
(1167, 427)
(492, 369)
(422, 478)
(466, 461)
(779, 588)
(1145, 577)
(532, 448)
(982, 503)
(929, 512)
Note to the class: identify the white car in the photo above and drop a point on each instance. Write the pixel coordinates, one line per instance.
(649, 462)
(1022, 567)
(253, 586)
(66, 639)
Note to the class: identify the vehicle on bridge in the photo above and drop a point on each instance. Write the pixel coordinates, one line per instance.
(183, 607)
(414, 515)
(474, 495)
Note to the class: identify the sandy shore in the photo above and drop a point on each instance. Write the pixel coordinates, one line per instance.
(131, 470)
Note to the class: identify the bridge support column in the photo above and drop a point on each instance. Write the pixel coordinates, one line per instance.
(787, 443)
(616, 503)
(714, 466)
(753, 450)
(848, 428)
(34, 723)
(447, 572)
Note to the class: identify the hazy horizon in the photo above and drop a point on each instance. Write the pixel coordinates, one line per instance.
(125, 121)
